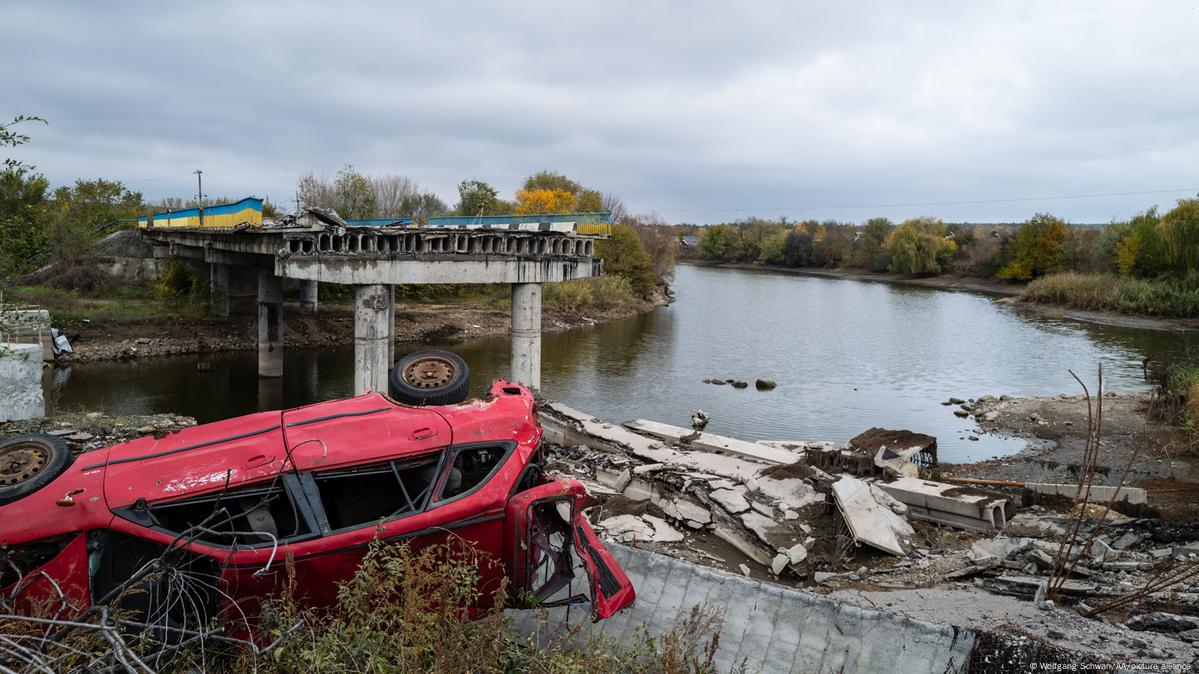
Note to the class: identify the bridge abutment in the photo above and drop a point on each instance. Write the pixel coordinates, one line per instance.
(373, 307)
(526, 334)
(270, 324)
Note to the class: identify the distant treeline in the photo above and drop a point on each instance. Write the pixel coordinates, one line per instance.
(1159, 251)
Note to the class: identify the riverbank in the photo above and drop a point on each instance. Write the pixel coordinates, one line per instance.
(332, 326)
(1007, 292)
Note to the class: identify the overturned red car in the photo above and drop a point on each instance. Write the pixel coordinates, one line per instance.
(230, 501)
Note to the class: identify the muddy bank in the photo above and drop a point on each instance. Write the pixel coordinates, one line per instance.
(1155, 455)
(332, 326)
(1008, 292)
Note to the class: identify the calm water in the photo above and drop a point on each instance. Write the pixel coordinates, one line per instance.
(847, 355)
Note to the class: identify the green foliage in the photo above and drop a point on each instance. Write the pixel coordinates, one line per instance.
(720, 242)
(590, 201)
(24, 212)
(919, 246)
(1179, 230)
(476, 197)
(81, 214)
(1140, 250)
(799, 248)
(624, 256)
(9, 137)
(868, 250)
(177, 280)
(421, 206)
(602, 293)
(1171, 298)
(549, 180)
(1038, 248)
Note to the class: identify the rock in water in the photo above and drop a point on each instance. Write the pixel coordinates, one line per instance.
(765, 384)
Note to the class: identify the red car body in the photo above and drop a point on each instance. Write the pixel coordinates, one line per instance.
(316, 484)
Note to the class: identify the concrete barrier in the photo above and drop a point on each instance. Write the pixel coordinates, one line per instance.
(770, 627)
(21, 382)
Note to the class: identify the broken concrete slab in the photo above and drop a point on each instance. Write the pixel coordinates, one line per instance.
(1098, 493)
(951, 504)
(868, 521)
(731, 500)
(711, 441)
(899, 452)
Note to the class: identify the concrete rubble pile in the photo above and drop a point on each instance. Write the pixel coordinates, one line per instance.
(865, 515)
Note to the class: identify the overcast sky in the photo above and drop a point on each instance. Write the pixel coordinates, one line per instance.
(700, 111)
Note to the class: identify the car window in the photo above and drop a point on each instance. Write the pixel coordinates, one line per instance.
(472, 466)
(361, 495)
(257, 514)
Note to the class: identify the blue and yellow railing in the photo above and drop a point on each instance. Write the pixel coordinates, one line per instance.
(248, 211)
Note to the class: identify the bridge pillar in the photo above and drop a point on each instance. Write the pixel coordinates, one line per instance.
(372, 309)
(270, 324)
(241, 292)
(308, 297)
(218, 288)
(526, 334)
(391, 326)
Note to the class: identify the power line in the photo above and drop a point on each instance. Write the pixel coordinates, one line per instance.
(966, 202)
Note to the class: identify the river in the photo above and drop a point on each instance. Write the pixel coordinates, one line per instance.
(847, 355)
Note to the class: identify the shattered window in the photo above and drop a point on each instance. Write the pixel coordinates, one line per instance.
(358, 496)
(472, 467)
(258, 514)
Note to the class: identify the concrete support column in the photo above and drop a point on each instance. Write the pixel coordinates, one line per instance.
(270, 324)
(526, 334)
(391, 326)
(218, 288)
(308, 297)
(371, 337)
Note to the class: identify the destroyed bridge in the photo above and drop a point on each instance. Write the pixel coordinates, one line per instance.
(248, 259)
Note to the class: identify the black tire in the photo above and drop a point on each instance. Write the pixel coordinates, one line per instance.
(430, 377)
(30, 462)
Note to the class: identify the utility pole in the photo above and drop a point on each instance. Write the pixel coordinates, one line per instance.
(200, 193)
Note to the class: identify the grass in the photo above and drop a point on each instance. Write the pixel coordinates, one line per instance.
(1120, 294)
(603, 293)
(123, 304)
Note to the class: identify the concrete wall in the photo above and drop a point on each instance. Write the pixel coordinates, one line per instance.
(21, 382)
(772, 628)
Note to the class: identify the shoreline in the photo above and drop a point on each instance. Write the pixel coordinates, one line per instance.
(332, 325)
(1008, 293)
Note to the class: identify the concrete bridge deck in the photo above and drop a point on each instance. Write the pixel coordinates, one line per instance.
(318, 247)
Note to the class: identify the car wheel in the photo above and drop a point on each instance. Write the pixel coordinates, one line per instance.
(30, 462)
(430, 378)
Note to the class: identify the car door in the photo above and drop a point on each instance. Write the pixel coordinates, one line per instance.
(548, 540)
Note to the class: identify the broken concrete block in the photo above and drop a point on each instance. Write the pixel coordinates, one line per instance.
(790, 493)
(1000, 547)
(1035, 527)
(616, 479)
(868, 521)
(797, 553)
(694, 516)
(1127, 540)
(663, 532)
(730, 500)
(823, 576)
(952, 504)
(626, 528)
(779, 563)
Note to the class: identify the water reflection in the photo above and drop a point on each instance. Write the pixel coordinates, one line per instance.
(847, 355)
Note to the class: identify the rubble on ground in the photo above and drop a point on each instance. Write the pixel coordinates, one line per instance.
(85, 431)
(866, 516)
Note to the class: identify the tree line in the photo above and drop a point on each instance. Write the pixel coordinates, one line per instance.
(1148, 245)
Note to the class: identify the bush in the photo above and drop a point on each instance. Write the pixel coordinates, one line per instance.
(625, 256)
(1038, 248)
(1108, 292)
(177, 280)
(603, 293)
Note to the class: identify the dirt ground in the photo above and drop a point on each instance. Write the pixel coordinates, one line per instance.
(332, 326)
(1155, 456)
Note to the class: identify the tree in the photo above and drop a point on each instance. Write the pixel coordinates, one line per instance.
(420, 207)
(659, 243)
(1179, 230)
(24, 211)
(391, 192)
(799, 248)
(1140, 250)
(12, 138)
(612, 204)
(590, 201)
(545, 200)
(624, 255)
(919, 246)
(834, 245)
(548, 180)
(81, 214)
(720, 242)
(1038, 248)
(350, 194)
(868, 249)
(476, 197)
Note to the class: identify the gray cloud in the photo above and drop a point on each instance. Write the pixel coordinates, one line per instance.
(702, 111)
